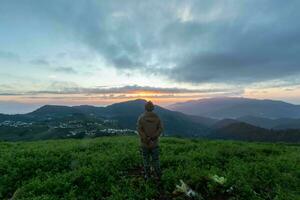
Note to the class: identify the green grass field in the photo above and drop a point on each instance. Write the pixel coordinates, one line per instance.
(110, 168)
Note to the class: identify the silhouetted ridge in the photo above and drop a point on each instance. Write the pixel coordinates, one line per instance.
(124, 115)
(223, 123)
(229, 107)
(55, 110)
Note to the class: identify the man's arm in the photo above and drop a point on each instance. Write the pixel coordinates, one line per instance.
(159, 129)
(140, 130)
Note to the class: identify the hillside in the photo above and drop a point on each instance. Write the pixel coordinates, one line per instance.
(280, 124)
(110, 168)
(230, 107)
(54, 110)
(58, 122)
(174, 122)
(248, 132)
(124, 114)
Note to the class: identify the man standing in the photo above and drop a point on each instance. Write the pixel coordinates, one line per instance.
(149, 127)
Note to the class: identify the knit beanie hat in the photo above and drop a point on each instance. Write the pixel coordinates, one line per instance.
(149, 106)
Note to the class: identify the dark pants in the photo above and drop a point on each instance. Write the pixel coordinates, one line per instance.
(151, 158)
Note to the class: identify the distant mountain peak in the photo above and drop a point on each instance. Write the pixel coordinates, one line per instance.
(54, 109)
(135, 101)
(139, 100)
(224, 122)
(236, 107)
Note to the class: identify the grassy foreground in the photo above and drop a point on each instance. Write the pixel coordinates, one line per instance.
(110, 168)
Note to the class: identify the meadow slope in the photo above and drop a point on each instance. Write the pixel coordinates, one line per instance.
(110, 168)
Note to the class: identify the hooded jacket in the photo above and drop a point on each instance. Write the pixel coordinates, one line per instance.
(149, 127)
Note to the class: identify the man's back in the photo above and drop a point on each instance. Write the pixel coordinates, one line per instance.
(150, 123)
(149, 127)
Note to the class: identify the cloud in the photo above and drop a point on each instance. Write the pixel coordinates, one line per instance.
(10, 56)
(67, 70)
(68, 93)
(291, 81)
(39, 62)
(64, 88)
(5, 87)
(186, 41)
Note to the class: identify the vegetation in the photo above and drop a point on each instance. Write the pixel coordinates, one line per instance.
(60, 128)
(110, 168)
(247, 132)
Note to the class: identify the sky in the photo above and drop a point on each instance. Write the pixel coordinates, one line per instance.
(99, 52)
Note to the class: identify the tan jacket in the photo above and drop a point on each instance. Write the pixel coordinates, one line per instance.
(149, 127)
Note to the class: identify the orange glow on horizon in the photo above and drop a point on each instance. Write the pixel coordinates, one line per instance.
(160, 98)
(94, 99)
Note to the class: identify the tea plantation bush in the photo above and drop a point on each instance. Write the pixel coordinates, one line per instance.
(110, 168)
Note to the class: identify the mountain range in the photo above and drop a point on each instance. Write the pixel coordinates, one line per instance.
(276, 124)
(189, 124)
(126, 113)
(233, 107)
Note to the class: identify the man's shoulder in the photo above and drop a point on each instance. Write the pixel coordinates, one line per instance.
(156, 115)
(141, 116)
(148, 115)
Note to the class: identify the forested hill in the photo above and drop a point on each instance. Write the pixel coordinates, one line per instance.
(54, 121)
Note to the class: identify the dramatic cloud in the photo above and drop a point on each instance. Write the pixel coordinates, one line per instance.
(188, 41)
(192, 43)
(69, 88)
(68, 93)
